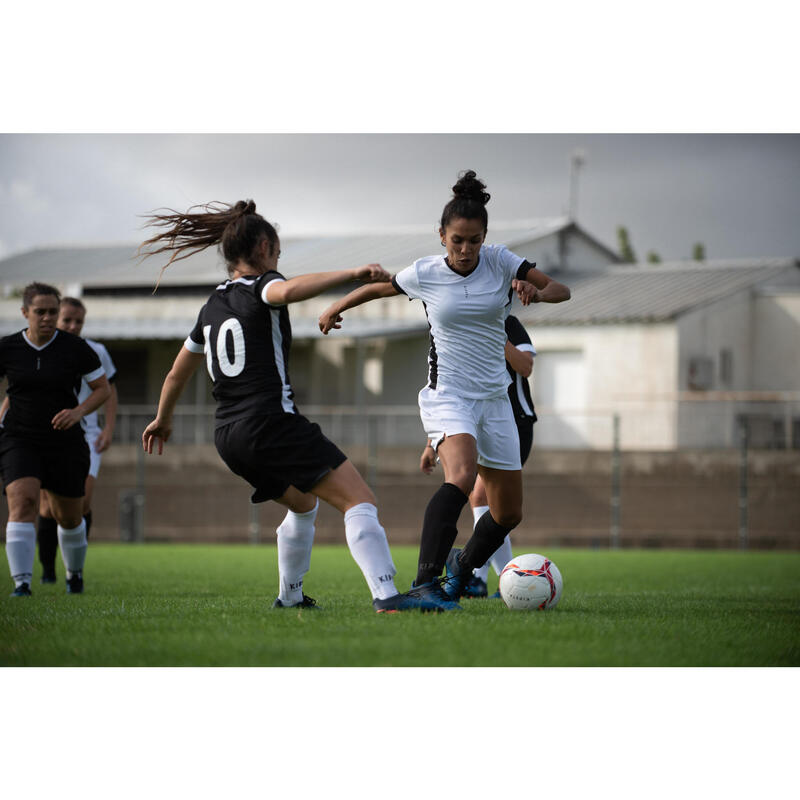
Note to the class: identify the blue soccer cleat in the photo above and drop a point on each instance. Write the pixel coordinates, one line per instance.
(405, 602)
(496, 596)
(476, 587)
(433, 592)
(457, 576)
(23, 590)
(306, 602)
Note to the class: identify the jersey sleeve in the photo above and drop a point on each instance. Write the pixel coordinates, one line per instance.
(196, 340)
(517, 335)
(263, 283)
(89, 363)
(511, 263)
(407, 282)
(105, 360)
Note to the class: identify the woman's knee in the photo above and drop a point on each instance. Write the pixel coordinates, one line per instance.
(507, 517)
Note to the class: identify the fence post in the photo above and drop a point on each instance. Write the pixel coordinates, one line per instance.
(372, 450)
(615, 485)
(253, 527)
(743, 503)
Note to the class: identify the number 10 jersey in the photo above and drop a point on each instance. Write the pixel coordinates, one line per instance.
(246, 342)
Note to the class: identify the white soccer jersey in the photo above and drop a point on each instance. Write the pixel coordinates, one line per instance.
(467, 316)
(90, 422)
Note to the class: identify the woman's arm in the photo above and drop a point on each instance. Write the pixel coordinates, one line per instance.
(103, 441)
(67, 417)
(548, 290)
(160, 429)
(521, 360)
(331, 316)
(302, 287)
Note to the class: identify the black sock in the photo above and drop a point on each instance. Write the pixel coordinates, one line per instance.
(87, 518)
(439, 531)
(47, 535)
(486, 538)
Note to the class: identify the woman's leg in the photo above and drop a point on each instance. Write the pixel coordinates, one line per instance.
(459, 458)
(346, 491)
(68, 513)
(295, 540)
(23, 500)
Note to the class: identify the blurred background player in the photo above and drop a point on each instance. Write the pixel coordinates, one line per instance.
(243, 334)
(42, 445)
(519, 352)
(464, 407)
(71, 316)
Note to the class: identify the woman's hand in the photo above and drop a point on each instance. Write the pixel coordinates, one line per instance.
(427, 461)
(371, 273)
(156, 431)
(329, 319)
(66, 418)
(526, 292)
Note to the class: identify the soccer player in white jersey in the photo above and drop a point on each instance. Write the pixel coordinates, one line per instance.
(42, 446)
(243, 336)
(519, 353)
(71, 317)
(464, 407)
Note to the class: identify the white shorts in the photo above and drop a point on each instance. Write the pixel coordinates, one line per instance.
(94, 457)
(490, 422)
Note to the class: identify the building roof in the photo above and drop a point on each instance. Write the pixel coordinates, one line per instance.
(117, 266)
(659, 292)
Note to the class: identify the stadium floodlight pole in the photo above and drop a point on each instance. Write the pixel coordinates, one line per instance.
(576, 160)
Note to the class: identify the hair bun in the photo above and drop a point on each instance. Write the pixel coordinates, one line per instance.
(470, 188)
(245, 207)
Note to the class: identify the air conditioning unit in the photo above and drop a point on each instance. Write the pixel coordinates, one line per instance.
(701, 373)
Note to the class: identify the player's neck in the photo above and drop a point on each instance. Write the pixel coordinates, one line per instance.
(40, 340)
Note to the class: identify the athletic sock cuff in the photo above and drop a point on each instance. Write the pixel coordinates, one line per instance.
(454, 491)
(20, 531)
(306, 514)
(361, 510)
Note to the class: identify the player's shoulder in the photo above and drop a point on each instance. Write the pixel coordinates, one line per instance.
(11, 339)
(428, 265)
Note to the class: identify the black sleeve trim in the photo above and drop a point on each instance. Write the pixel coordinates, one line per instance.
(522, 272)
(397, 285)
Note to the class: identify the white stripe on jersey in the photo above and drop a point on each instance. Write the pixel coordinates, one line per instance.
(523, 403)
(277, 345)
(264, 293)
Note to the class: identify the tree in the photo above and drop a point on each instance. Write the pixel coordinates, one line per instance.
(653, 257)
(699, 252)
(625, 249)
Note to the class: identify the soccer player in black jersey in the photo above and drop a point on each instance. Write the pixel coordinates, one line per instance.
(244, 337)
(519, 353)
(42, 444)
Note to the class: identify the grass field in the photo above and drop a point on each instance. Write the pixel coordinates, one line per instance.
(197, 605)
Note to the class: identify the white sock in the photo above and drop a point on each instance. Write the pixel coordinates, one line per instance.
(480, 572)
(502, 555)
(73, 544)
(295, 539)
(21, 551)
(368, 546)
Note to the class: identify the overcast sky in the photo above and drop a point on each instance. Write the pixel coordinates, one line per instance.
(737, 194)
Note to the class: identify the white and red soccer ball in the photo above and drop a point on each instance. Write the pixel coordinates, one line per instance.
(529, 582)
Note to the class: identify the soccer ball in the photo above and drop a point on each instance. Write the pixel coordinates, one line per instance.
(530, 582)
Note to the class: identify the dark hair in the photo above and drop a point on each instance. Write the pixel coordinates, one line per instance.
(35, 289)
(237, 229)
(469, 201)
(73, 301)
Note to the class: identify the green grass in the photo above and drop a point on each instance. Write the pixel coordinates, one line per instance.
(197, 605)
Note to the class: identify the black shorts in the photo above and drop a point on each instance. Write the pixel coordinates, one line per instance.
(525, 428)
(275, 452)
(61, 470)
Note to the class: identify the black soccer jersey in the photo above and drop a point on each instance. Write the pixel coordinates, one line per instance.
(519, 391)
(246, 342)
(44, 380)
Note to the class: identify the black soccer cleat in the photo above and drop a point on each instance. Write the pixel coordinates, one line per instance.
(432, 592)
(49, 576)
(458, 576)
(23, 590)
(405, 602)
(75, 583)
(306, 602)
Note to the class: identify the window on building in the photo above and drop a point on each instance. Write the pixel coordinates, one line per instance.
(726, 367)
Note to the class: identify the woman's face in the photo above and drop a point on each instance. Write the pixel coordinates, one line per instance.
(70, 319)
(42, 315)
(462, 239)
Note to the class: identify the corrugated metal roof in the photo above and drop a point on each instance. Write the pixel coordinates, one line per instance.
(117, 266)
(657, 292)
